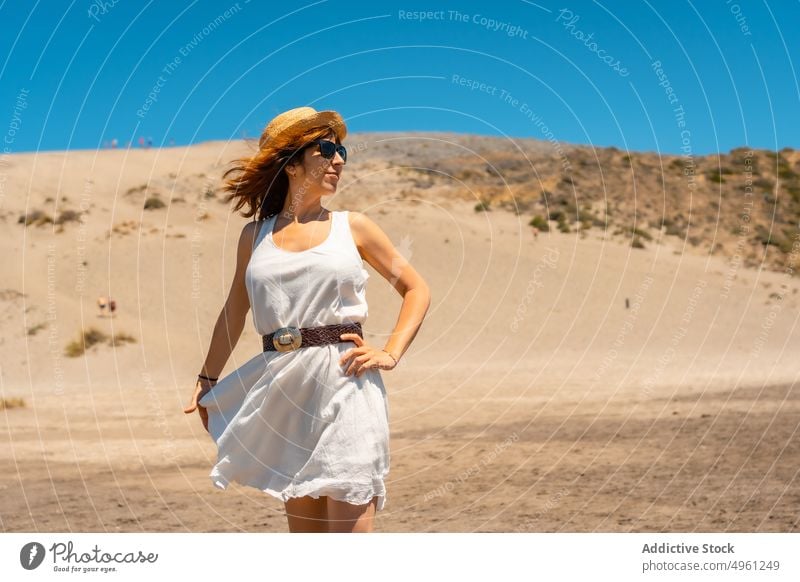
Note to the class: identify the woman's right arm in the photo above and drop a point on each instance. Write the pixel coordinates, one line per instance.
(230, 322)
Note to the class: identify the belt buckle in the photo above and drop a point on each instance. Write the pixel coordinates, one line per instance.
(287, 339)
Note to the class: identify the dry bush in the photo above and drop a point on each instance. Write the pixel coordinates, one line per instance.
(121, 339)
(68, 216)
(92, 336)
(86, 340)
(6, 403)
(39, 326)
(35, 217)
(154, 203)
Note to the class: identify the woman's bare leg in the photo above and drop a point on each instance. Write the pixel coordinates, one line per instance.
(348, 518)
(307, 515)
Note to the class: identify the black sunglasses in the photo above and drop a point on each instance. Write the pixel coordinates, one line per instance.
(328, 149)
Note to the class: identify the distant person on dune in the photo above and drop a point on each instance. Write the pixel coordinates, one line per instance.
(102, 303)
(112, 306)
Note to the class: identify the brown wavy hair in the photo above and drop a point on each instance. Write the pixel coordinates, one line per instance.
(259, 183)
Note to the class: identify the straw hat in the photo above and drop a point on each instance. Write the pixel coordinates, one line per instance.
(289, 124)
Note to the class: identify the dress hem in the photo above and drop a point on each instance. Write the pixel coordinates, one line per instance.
(316, 488)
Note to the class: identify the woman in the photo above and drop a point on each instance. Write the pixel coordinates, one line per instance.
(307, 420)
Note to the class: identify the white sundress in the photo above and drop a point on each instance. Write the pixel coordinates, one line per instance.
(293, 423)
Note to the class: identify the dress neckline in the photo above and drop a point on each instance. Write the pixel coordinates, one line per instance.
(271, 226)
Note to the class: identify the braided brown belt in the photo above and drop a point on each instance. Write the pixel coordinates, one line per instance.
(287, 339)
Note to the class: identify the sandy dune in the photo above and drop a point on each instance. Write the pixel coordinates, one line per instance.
(532, 399)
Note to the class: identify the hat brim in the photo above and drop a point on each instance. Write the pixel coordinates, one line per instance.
(331, 119)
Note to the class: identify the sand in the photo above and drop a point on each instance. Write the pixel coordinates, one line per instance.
(532, 399)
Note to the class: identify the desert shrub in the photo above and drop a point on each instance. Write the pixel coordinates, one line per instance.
(122, 338)
(36, 328)
(86, 340)
(35, 217)
(467, 175)
(785, 242)
(539, 222)
(482, 206)
(6, 403)
(68, 216)
(633, 232)
(637, 243)
(763, 183)
(93, 336)
(794, 192)
(154, 203)
(423, 184)
(765, 236)
(583, 214)
(675, 230)
(492, 171)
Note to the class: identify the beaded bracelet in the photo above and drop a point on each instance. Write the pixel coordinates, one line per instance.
(207, 378)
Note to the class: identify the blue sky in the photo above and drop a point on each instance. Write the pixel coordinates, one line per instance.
(77, 74)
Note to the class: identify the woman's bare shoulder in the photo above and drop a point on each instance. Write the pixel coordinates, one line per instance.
(251, 228)
(362, 227)
(369, 237)
(247, 238)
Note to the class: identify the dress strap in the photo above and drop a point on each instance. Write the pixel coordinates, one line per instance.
(341, 231)
(338, 217)
(263, 230)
